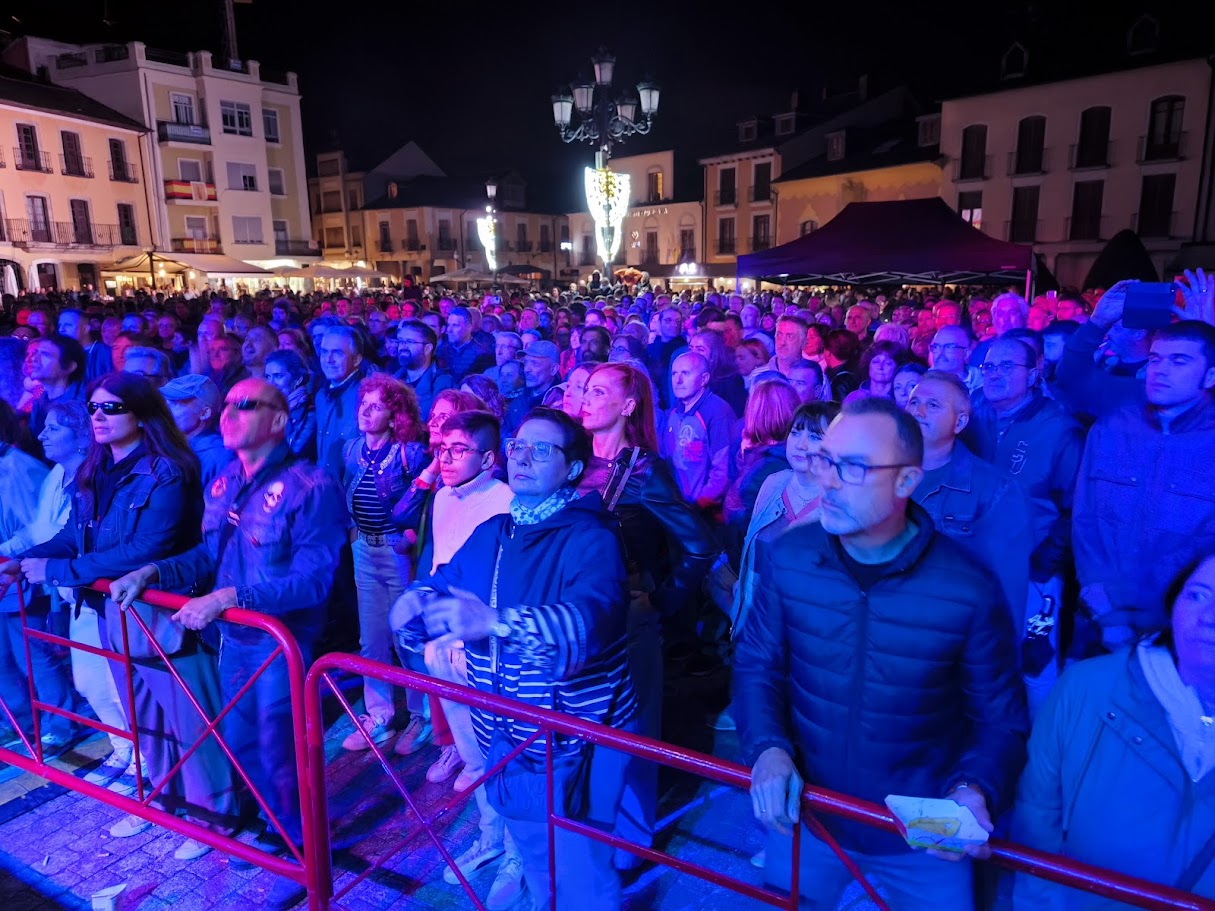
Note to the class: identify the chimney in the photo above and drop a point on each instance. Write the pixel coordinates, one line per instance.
(862, 87)
(793, 101)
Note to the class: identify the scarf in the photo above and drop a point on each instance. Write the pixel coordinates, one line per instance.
(524, 515)
(1195, 737)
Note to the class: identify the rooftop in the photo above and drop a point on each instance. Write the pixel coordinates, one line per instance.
(22, 90)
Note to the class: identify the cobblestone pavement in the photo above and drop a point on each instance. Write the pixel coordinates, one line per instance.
(55, 851)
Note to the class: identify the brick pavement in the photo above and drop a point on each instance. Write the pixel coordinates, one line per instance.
(57, 854)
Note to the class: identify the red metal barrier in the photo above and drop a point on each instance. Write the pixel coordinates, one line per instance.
(296, 867)
(1084, 877)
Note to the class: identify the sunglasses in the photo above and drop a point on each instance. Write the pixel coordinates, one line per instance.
(250, 405)
(108, 408)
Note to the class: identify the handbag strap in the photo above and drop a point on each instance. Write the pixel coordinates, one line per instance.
(1198, 866)
(618, 486)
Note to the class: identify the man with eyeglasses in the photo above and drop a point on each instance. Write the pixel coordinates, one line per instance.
(949, 352)
(416, 343)
(538, 599)
(273, 529)
(877, 658)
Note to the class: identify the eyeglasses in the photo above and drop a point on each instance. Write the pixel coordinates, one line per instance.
(936, 348)
(541, 451)
(848, 472)
(249, 405)
(109, 408)
(456, 453)
(1004, 368)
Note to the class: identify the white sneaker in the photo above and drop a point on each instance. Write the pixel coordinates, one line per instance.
(191, 850)
(415, 736)
(445, 766)
(129, 826)
(375, 729)
(466, 779)
(127, 783)
(473, 860)
(116, 764)
(760, 860)
(508, 885)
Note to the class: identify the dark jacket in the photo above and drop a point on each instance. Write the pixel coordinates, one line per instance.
(561, 588)
(337, 419)
(212, 456)
(427, 386)
(668, 545)
(756, 467)
(301, 429)
(1089, 389)
(908, 688)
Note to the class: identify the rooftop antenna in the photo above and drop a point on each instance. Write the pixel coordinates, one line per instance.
(231, 54)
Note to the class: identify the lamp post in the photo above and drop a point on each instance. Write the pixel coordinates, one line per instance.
(603, 121)
(487, 228)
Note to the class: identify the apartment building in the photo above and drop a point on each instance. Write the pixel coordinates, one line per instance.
(1066, 164)
(72, 198)
(225, 169)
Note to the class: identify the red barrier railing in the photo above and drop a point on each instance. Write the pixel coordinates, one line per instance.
(296, 867)
(1084, 877)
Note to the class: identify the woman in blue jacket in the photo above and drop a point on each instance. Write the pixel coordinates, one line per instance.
(1121, 770)
(138, 499)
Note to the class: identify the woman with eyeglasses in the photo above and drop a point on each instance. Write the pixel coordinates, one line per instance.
(380, 465)
(668, 546)
(138, 499)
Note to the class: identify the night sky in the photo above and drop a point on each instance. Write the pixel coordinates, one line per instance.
(470, 81)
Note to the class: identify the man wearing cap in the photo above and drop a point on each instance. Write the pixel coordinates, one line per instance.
(539, 371)
(194, 401)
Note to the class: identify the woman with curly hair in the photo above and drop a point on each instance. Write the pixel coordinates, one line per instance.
(487, 391)
(380, 465)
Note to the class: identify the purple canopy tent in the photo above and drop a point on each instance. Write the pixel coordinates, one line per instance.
(917, 241)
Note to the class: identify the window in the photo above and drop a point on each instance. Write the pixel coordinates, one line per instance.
(39, 215)
(190, 169)
(1016, 59)
(82, 222)
(761, 232)
(183, 108)
(785, 124)
(1031, 138)
(546, 238)
(412, 241)
(241, 176)
(356, 235)
(651, 247)
(725, 235)
(29, 156)
(970, 207)
(747, 130)
(653, 186)
(807, 227)
(761, 187)
(73, 155)
(687, 244)
(835, 146)
(282, 234)
(1092, 151)
(1155, 217)
(118, 160)
(1023, 228)
(274, 180)
(335, 237)
(726, 187)
(331, 201)
(446, 241)
(246, 229)
(973, 163)
(1143, 36)
(522, 244)
(329, 167)
(196, 227)
(127, 232)
(1085, 223)
(237, 118)
(270, 124)
(928, 130)
(385, 236)
(1164, 134)
(352, 199)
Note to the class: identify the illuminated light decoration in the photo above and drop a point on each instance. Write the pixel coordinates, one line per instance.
(688, 269)
(607, 195)
(487, 231)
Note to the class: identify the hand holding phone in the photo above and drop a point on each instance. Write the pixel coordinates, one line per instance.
(1149, 305)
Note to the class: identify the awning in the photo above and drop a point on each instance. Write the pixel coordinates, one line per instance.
(217, 264)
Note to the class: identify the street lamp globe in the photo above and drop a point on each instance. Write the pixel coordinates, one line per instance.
(491, 189)
(647, 92)
(626, 108)
(604, 64)
(563, 109)
(584, 96)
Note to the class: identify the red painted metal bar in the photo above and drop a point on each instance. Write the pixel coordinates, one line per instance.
(1084, 877)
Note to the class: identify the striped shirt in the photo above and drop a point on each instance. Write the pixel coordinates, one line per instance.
(368, 510)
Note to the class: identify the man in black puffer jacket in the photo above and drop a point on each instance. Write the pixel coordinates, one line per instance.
(876, 659)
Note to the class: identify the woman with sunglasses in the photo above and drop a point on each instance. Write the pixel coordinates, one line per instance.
(138, 499)
(380, 466)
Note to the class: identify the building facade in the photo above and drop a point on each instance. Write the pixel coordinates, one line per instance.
(1066, 165)
(225, 165)
(72, 195)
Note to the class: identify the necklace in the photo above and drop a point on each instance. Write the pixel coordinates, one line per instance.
(370, 457)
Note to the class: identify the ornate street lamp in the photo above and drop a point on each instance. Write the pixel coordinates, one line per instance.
(487, 228)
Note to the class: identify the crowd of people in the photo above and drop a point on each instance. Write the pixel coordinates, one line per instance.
(946, 543)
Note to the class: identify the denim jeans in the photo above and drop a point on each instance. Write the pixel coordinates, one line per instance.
(259, 727)
(47, 669)
(912, 881)
(380, 577)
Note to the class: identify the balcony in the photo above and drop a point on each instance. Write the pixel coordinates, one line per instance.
(1022, 231)
(190, 191)
(1089, 156)
(1028, 163)
(762, 194)
(587, 258)
(726, 197)
(285, 247)
(1162, 148)
(412, 245)
(384, 245)
(120, 172)
(1094, 228)
(973, 168)
(523, 246)
(1155, 225)
(446, 245)
(193, 133)
(760, 243)
(725, 246)
(61, 234)
(26, 160)
(75, 166)
(546, 246)
(196, 245)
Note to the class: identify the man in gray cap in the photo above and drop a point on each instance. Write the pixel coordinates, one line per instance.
(539, 371)
(194, 401)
